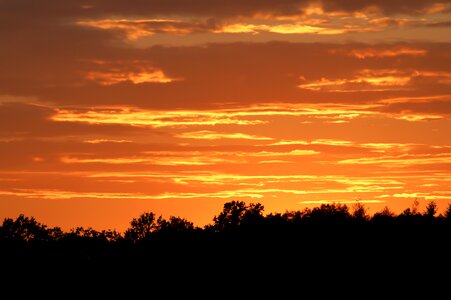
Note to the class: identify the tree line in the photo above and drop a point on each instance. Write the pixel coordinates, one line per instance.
(241, 244)
(237, 219)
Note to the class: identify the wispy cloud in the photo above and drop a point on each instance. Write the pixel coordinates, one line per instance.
(366, 80)
(403, 159)
(318, 202)
(213, 135)
(389, 52)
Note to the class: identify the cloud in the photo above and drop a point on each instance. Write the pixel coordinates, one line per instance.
(437, 108)
(331, 142)
(425, 196)
(274, 73)
(366, 80)
(401, 160)
(139, 117)
(318, 202)
(181, 160)
(389, 7)
(295, 152)
(218, 8)
(99, 141)
(212, 135)
(280, 28)
(439, 24)
(145, 76)
(135, 29)
(199, 74)
(389, 52)
(25, 121)
(242, 115)
(386, 21)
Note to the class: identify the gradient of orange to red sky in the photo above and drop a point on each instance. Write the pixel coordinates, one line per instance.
(112, 108)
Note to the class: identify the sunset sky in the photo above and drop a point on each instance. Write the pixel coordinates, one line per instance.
(111, 108)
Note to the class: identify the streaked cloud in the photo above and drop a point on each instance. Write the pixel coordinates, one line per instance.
(381, 53)
(182, 160)
(425, 196)
(296, 152)
(370, 80)
(318, 202)
(403, 159)
(139, 117)
(280, 28)
(100, 141)
(213, 135)
(439, 24)
(60, 194)
(388, 21)
(135, 29)
(118, 77)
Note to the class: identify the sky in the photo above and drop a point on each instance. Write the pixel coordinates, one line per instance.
(112, 108)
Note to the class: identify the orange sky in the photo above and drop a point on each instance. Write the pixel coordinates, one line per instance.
(112, 108)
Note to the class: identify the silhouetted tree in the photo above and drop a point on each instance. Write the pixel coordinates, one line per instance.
(236, 214)
(295, 216)
(385, 215)
(174, 226)
(448, 212)
(359, 212)
(26, 229)
(415, 206)
(142, 227)
(329, 213)
(89, 233)
(111, 235)
(431, 209)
